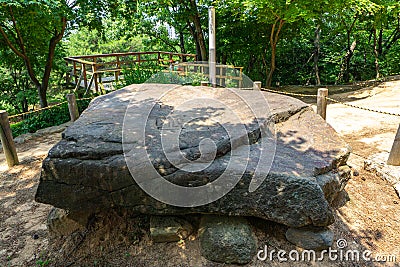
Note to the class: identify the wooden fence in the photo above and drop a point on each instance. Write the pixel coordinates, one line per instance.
(96, 66)
(225, 73)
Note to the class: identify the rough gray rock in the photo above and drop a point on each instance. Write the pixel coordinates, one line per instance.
(315, 238)
(87, 171)
(49, 130)
(227, 240)
(377, 164)
(169, 228)
(58, 223)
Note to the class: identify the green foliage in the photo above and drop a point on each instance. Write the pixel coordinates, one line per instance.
(88, 41)
(244, 29)
(173, 77)
(136, 74)
(46, 118)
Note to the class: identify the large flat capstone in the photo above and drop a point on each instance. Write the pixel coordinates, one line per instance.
(87, 171)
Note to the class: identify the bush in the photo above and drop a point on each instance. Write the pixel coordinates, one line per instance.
(137, 74)
(47, 118)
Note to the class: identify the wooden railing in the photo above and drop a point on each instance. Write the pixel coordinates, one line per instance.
(224, 74)
(95, 66)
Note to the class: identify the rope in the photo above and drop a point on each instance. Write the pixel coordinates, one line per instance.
(38, 110)
(332, 100)
(362, 108)
(287, 93)
(46, 108)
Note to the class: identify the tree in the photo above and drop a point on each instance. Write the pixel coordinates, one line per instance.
(16, 91)
(185, 17)
(33, 29)
(277, 14)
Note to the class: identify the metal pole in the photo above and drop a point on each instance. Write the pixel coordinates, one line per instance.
(212, 46)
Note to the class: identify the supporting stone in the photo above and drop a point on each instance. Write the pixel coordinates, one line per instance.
(73, 107)
(394, 157)
(169, 228)
(257, 85)
(204, 83)
(7, 140)
(228, 240)
(322, 102)
(315, 238)
(58, 223)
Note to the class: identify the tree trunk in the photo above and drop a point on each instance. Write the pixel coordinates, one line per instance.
(345, 69)
(316, 54)
(24, 104)
(376, 54)
(49, 63)
(193, 33)
(182, 45)
(380, 42)
(224, 58)
(22, 53)
(199, 31)
(272, 66)
(273, 40)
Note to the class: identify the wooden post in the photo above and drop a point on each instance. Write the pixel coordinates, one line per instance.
(85, 82)
(95, 76)
(257, 86)
(241, 78)
(76, 76)
(7, 140)
(322, 102)
(73, 107)
(117, 72)
(223, 75)
(68, 75)
(204, 83)
(394, 156)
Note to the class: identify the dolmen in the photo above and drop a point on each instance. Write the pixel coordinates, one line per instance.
(174, 150)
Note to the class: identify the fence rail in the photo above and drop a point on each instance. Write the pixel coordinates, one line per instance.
(224, 73)
(94, 66)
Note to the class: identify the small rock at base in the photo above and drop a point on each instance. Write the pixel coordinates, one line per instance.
(315, 238)
(227, 240)
(58, 223)
(169, 229)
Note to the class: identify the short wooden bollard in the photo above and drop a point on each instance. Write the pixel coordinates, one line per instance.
(7, 140)
(257, 85)
(322, 102)
(73, 107)
(204, 83)
(394, 156)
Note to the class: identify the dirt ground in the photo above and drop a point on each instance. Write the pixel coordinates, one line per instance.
(370, 220)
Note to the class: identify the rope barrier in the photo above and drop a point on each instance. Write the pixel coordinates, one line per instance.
(362, 108)
(38, 110)
(332, 100)
(287, 93)
(46, 108)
